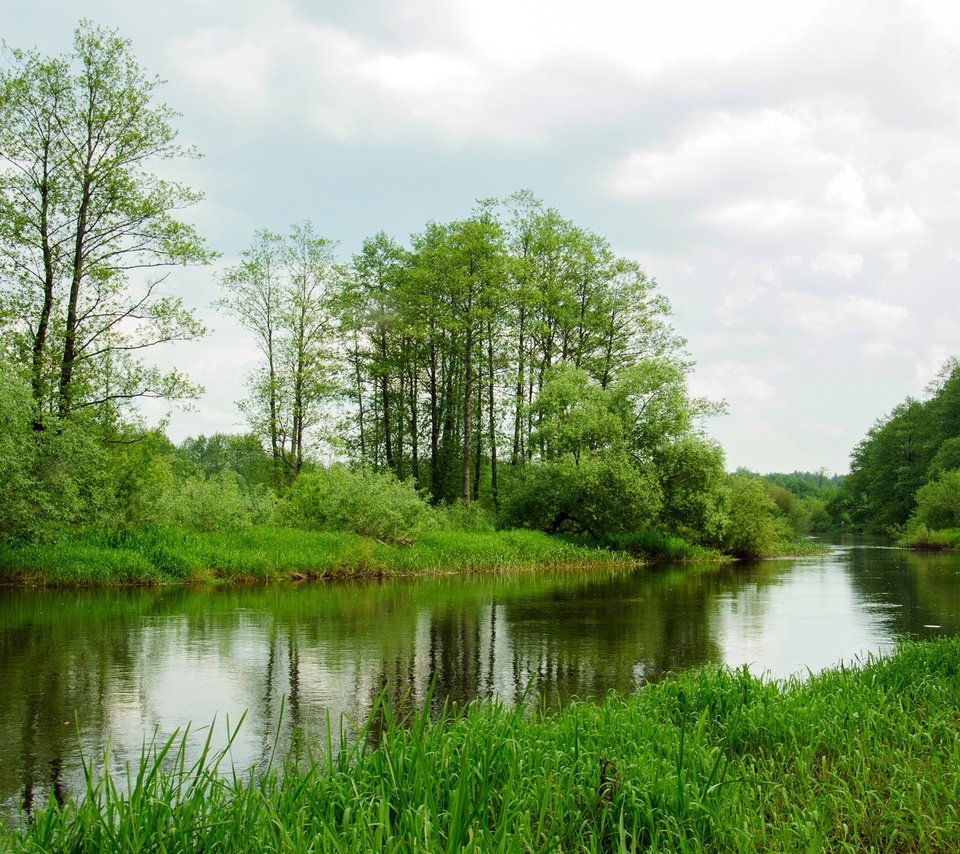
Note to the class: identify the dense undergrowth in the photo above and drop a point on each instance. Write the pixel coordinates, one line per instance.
(924, 538)
(853, 759)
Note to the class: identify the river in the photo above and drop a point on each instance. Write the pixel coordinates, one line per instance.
(99, 673)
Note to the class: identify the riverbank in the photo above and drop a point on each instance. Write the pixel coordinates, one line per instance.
(268, 553)
(849, 760)
(923, 538)
(263, 553)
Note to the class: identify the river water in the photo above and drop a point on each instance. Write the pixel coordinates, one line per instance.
(97, 674)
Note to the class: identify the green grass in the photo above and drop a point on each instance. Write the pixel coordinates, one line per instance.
(864, 759)
(657, 545)
(263, 553)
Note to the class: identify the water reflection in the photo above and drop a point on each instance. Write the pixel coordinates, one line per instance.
(84, 670)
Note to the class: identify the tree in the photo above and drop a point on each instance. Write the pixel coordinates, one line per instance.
(938, 502)
(80, 215)
(693, 481)
(279, 292)
(754, 526)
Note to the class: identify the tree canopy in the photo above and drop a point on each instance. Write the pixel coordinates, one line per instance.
(88, 230)
(917, 442)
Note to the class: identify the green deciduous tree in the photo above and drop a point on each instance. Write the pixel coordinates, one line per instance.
(916, 442)
(754, 526)
(938, 502)
(87, 230)
(280, 292)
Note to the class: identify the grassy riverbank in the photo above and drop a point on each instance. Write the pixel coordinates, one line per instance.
(265, 553)
(851, 760)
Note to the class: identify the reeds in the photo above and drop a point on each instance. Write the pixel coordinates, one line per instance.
(854, 759)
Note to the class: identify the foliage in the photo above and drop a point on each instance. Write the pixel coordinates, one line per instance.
(603, 495)
(471, 344)
(18, 451)
(915, 443)
(919, 536)
(852, 759)
(661, 546)
(754, 525)
(51, 481)
(80, 214)
(938, 501)
(460, 517)
(693, 481)
(219, 503)
(279, 292)
(366, 502)
(210, 455)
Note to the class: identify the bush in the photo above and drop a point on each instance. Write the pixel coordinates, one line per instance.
(938, 502)
(366, 502)
(215, 504)
(694, 489)
(459, 517)
(754, 526)
(603, 495)
(918, 536)
(18, 448)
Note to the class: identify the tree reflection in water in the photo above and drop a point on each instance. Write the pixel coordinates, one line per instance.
(83, 670)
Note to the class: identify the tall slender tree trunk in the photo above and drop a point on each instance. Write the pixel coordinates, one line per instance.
(467, 417)
(529, 418)
(414, 428)
(385, 405)
(400, 422)
(385, 400)
(359, 381)
(434, 426)
(518, 399)
(43, 323)
(478, 438)
(492, 420)
(65, 396)
(608, 353)
(275, 445)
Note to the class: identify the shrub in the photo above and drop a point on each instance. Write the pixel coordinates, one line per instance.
(754, 526)
(603, 495)
(938, 502)
(694, 489)
(366, 502)
(213, 504)
(459, 517)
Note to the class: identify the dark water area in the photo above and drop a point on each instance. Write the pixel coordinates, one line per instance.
(100, 673)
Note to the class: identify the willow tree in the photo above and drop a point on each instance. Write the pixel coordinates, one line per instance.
(279, 291)
(88, 232)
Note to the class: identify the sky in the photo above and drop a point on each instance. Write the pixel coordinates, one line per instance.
(789, 173)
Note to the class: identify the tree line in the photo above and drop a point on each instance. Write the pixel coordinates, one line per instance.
(441, 350)
(906, 470)
(509, 360)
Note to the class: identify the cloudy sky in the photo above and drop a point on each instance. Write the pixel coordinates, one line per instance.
(788, 172)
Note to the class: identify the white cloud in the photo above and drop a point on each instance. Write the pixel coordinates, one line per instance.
(749, 286)
(843, 264)
(847, 314)
(237, 69)
(742, 384)
(782, 169)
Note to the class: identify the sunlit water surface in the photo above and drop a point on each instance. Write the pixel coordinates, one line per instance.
(89, 674)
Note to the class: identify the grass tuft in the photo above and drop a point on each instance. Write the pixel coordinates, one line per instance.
(853, 759)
